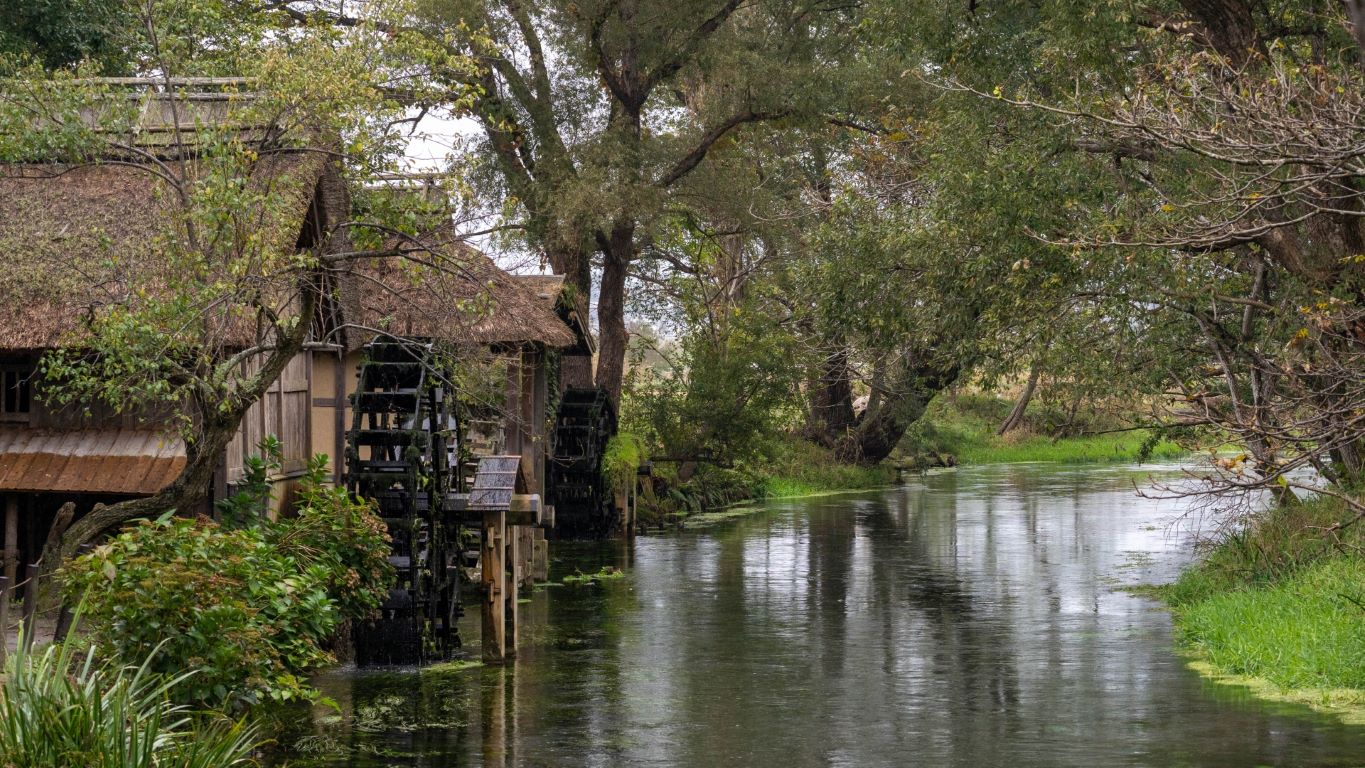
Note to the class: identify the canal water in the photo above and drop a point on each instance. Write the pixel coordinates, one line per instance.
(971, 618)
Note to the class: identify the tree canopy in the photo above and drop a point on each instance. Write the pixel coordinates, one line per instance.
(832, 211)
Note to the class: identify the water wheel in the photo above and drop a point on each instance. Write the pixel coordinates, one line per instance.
(402, 453)
(585, 507)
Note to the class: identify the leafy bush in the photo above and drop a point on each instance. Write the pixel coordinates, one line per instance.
(249, 609)
(227, 603)
(623, 457)
(59, 708)
(342, 535)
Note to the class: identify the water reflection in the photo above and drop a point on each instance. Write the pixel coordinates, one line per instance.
(968, 619)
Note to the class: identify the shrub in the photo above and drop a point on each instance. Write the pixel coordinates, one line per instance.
(226, 603)
(60, 709)
(249, 609)
(344, 536)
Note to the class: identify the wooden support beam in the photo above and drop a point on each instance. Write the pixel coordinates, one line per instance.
(30, 606)
(513, 579)
(494, 586)
(11, 538)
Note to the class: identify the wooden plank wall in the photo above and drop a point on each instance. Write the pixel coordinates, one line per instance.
(285, 411)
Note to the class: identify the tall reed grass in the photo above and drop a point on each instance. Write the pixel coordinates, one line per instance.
(60, 707)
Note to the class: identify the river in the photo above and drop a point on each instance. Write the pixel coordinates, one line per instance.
(970, 618)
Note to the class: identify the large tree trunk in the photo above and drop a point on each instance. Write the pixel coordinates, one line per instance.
(1227, 26)
(1016, 417)
(617, 253)
(571, 260)
(878, 431)
(831, 401)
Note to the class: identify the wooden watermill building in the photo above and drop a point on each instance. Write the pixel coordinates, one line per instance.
(105, 215)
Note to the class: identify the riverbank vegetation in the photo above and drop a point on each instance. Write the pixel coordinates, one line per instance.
(251, 606)
(1280, 601)
(966, 429)
(63, 706)
(781, 468)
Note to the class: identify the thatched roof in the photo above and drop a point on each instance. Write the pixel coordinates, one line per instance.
(82, 238)
(549, 289)
(447, 290)
(85, 238)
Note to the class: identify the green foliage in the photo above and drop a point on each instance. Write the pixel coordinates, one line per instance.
(227, 603)
(785, 466)
(1281, 598)
(62, 33)
(1271, 547)
(726, 385)
(793, 467)
(250, 609)
(61, 706)
(251, 502)
(624, 455)
(964, 426)
(345, 537)
(604, 573)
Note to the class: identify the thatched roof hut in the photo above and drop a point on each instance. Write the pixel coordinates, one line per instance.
(85, 238)
(445, 289)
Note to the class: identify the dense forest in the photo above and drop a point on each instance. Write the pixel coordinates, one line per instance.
(804, 229)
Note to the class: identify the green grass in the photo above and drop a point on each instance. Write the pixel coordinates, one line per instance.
(1280, 606)
(800, 468)
(964, 426)
(60, 706)
(1304, 632)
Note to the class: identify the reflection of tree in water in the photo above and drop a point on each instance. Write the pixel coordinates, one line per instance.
(956, 625)
(961, 655)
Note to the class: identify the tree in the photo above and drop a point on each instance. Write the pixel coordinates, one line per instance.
(1220, 236)
(63, 33)
(595, 116)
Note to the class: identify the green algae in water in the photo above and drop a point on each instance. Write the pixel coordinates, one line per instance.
(705, 519)
(450, 667)
(606, 572)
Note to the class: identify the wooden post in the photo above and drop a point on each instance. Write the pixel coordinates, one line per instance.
(30, 605)
(4, 618)
(513, 578)
(495, 586)
(540, 555)
(526, 541)
(12, 538)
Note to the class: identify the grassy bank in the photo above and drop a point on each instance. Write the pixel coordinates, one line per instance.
(800, 468)
(789, 467)
(1280, 607)
(961, 429)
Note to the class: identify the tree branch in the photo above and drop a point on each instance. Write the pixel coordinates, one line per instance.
(692, 159)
